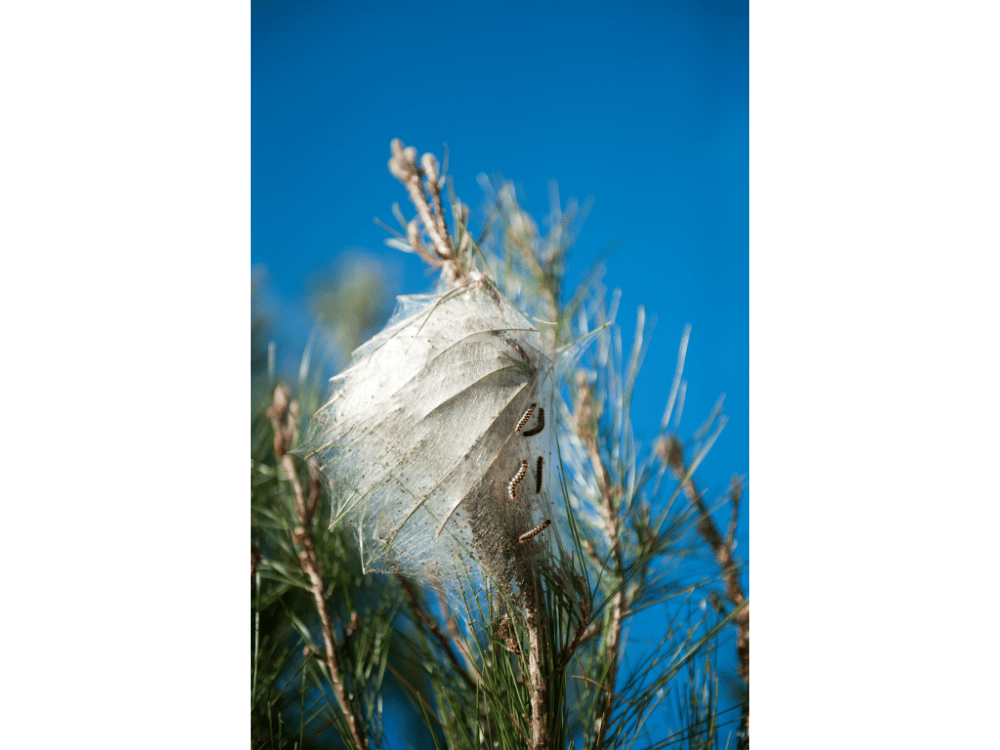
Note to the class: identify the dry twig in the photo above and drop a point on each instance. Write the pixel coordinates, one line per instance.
(255, 558)
(584, 629)
(672, 453)
(426, 198)
(535, 615)
(436, 631)
(587, 430)
(283, 414)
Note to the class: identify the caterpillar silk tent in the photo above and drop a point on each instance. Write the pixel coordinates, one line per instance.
(437, 437)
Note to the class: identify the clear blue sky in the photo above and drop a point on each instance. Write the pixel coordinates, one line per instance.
(642, 106)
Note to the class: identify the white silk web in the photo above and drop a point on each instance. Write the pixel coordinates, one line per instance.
(435, 440)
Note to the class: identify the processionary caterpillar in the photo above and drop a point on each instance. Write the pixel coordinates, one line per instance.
(512, 487)
(538, 475)
(541, 421)
(534, 532)
(525, 418)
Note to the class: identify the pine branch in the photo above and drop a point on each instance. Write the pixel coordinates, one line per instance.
(555, 602)
(433, 629)
(537, 663)
(283, 415)
(672, 453)
(586, 428)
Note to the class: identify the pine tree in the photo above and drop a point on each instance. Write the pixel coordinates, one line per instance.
(523, 649)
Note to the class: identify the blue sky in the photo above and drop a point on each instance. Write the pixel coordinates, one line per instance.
(641, 106)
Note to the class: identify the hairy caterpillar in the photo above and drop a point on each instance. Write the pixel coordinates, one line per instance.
(525, 418)
(541, 423)
(534, 532)
(512, 487)
(538, 474)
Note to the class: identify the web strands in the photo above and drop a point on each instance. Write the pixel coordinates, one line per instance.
(407, 457)
(417, 435)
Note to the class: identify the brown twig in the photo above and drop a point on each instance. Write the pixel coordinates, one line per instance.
(283, 414)
(583, 628)
(535, 615)
(673, 454)
(587, 429)
(255, 558)
(403, 166)
(436, 631)
(459, 643)
(429, 164)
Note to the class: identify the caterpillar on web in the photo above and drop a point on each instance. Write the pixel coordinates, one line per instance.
(512, 487)
(541, 421)
(467, 375)
(525, 418)
(534, 532)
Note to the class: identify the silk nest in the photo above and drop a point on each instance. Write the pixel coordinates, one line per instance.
(437, 440)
